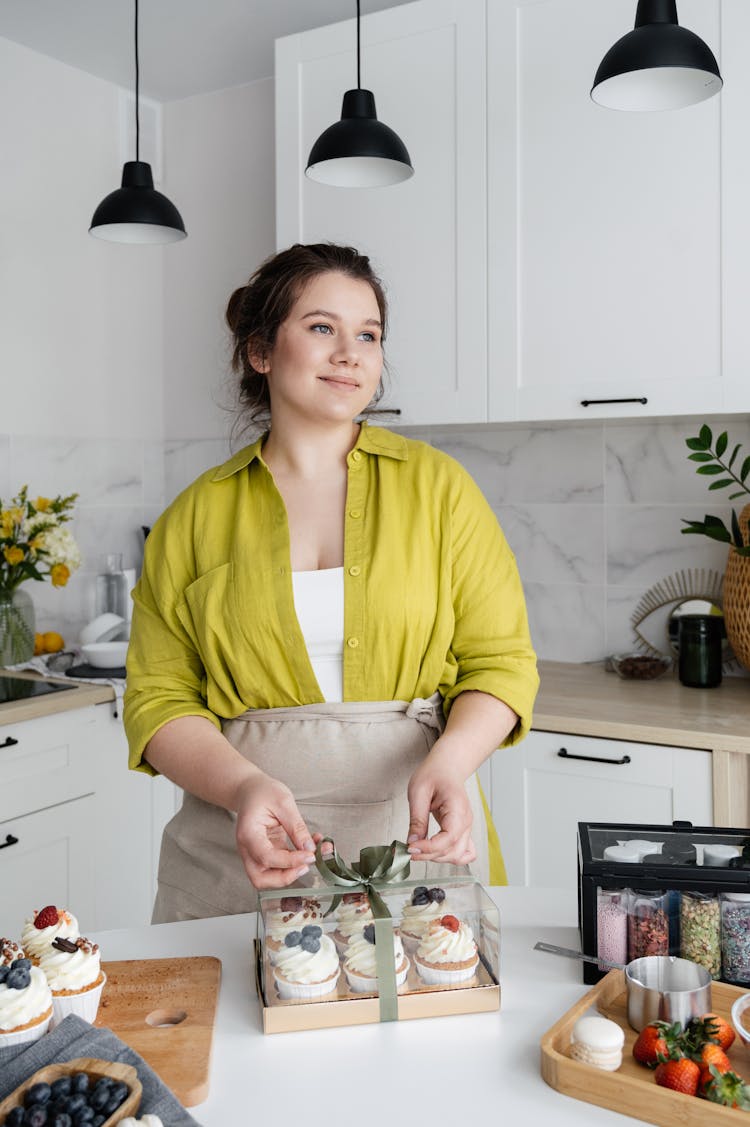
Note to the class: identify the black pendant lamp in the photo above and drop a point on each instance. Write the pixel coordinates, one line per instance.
(136, 212)
(657, 66)
(359, 151)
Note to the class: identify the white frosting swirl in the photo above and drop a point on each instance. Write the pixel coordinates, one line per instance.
(416, 918)
(298, 965)
(279, 922)
(71, 970)
(19, 1007)
(9, 952)
(35, 940)
(441, 945)
(351, 917)
(361, 957)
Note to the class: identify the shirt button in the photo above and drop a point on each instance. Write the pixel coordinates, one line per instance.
(352, 643)
(355, 570)
(356, 456)
(355, 513)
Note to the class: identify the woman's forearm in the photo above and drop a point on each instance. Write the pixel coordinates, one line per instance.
(193, 753)
(477, 725)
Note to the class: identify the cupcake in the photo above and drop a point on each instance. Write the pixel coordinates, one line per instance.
(447, 953)
(360, 965)
(292, 914)
(426, 905)
(73, 971)
(352, 914)
(9, 952)
(307, 966)
(47, 924)
(25, 1003)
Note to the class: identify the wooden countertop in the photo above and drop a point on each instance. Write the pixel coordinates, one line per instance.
(588, 701)
(85, 694)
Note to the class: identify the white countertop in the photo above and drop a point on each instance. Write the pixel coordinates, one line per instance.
(438, 1070)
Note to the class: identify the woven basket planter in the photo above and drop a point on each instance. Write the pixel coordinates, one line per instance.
(737, 598)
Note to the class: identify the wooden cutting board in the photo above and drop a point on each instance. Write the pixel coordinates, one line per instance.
(165, 1010)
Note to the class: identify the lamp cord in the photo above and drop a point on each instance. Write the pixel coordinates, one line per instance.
(137, 74)
(359, 81)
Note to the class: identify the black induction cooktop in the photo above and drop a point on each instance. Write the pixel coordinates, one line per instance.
(19, 688)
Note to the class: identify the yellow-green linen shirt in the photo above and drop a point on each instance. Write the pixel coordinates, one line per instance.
(432, 596)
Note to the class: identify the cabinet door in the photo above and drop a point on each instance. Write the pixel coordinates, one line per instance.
(48, 858)
(616, 266)
(425, 63)
(545, 786)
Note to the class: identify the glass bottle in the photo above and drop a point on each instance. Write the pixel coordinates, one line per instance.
(612, 925)
(700, 930)
(735, 937)
(648, 924)
(700, 650)
(112, 587)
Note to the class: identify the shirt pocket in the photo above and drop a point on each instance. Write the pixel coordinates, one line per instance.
(208, 614)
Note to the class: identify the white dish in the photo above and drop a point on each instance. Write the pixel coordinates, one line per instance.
(102, 629)
(739, 1006)
(105, 655)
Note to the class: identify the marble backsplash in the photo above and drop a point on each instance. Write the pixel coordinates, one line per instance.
(593, 512)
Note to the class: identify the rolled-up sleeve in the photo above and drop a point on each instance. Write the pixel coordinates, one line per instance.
(491, 644)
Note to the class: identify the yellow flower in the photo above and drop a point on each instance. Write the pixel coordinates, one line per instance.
(59, 574)
(36, 543)
(42, 504)
(13, 555)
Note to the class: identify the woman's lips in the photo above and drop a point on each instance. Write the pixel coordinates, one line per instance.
(341, 382)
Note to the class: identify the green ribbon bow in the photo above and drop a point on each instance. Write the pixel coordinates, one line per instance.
(378, 865)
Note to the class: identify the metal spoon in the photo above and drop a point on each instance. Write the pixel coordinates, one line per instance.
(571, 954)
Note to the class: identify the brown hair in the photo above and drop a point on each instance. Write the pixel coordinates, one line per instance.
(256, 310)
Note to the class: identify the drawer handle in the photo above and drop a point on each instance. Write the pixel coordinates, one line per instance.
(636, 399)
(10, 742)
(563, 753)
(9, 840)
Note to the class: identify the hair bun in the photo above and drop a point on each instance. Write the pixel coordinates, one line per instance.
(234, 307)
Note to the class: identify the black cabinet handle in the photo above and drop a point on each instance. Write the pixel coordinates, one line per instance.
(563, 753)
(10, 742)
(384, 411)
(636, 399)
(9, 840)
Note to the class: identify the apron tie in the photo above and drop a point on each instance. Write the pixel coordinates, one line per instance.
(428, 711)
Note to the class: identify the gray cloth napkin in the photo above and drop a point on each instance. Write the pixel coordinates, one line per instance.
(73, 1038)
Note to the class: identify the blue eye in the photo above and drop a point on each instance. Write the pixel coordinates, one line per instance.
(321, 328)
(370, 337)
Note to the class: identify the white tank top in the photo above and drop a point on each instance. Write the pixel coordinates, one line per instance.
(319, 603)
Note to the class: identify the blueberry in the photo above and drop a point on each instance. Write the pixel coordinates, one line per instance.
(22, 964)
(4, 968)
(419, 899)
(420, 890)
(35, 1116)
(369, 933)
(98, 1120)
(75, 1103)
(38, 1094)
(312, 929)
(60, 1087)
(119, 1091)
(103, 1082)
(17, 978)
(292, 938)
(14, 1117)
(310, 943)
(437, 895)
(60, 1119)
(111, 1107)
(79, 1082)
(84, 1116)
(99, 1097)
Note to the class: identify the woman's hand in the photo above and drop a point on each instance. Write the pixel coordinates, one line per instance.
(437, 790)
(267, 820)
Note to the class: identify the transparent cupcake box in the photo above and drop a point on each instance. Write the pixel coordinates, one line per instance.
(665, 890)
(318, 947)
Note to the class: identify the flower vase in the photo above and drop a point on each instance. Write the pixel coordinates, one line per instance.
(17, 625)
(736, 598)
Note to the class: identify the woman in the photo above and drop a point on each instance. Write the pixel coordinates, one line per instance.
(310, 612)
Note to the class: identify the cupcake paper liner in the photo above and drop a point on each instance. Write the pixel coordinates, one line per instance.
(85, 1004)
(360, 985)
(23, 1036)
(305, 989)
(434, 977)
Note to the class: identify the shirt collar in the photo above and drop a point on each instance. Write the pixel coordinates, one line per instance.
(373, 440)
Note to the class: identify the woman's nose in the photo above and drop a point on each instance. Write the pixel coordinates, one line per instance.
(345, 352)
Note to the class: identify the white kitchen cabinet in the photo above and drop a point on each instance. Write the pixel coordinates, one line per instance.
(425, 63)
(547, 784)
(548, 257)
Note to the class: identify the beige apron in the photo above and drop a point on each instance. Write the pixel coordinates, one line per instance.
(348, 766)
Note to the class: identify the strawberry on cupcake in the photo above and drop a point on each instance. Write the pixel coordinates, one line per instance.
(47, 924)
(447, 953)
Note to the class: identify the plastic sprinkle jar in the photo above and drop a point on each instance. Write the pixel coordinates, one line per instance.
(612, 925)
(735, 937)
(700, 929)
(648, 924)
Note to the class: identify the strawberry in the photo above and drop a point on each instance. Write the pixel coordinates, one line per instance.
(655, 1041)
(712, 1059)
(451, 923)
(46, 917)
(681, 1075)
(727, 1088)
(714, 1028)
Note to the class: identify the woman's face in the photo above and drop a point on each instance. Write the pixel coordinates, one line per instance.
(327, 359)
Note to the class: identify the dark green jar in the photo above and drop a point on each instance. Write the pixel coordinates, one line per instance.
(700, 637)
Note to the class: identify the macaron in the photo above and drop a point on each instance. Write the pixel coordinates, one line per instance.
(597, 1041)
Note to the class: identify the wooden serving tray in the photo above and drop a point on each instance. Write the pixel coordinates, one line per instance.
(94, 1068)
(165, 1010)
(632, 1090)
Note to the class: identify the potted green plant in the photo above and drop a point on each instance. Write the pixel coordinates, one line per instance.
(727, 472)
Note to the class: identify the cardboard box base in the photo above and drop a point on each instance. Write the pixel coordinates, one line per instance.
(298, 1015)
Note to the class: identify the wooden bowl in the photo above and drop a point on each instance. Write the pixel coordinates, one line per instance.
(94, 1069)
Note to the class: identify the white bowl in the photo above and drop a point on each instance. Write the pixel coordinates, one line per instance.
(105, 655)
(103, 629)
(739, 1006)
